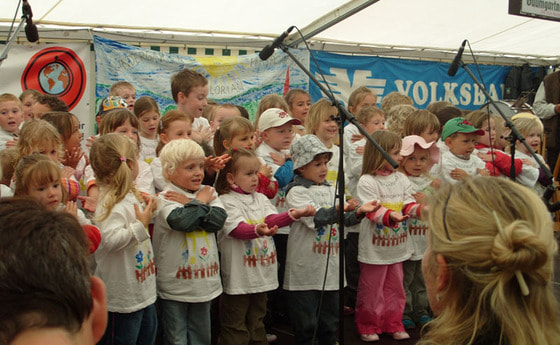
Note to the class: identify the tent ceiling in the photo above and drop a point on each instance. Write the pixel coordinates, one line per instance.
(426, 29)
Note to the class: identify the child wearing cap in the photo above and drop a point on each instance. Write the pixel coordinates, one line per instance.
(460, 137)
(314, 242)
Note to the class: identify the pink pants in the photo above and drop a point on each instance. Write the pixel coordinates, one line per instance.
(381, 299)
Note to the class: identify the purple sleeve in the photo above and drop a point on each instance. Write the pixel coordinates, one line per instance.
(244, 231)
(280, 219)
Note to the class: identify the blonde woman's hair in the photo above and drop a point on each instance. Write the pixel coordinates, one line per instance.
(395, 98)
(36, 170)
(176, 152)
(418, 121)
(112, 158)
(366, 113)
(395, 117)
(35, 134)
(319, 112)
(358, 95)
(228, 129)
(270, 101)
(373, 159)
(166, 120)
(487, 229)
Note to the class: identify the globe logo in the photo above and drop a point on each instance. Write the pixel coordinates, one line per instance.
(54, 78)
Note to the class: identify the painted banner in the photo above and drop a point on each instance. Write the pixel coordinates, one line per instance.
(241, 80)
(58, 70)
(423, 81)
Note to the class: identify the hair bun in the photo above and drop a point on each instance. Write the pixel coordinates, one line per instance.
(517, 247)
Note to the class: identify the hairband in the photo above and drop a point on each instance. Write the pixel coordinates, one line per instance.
(123, 159)
(520, 279)
(444, 215)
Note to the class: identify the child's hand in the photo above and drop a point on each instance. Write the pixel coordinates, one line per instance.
(177, 197)
(356, 137)
(201, 135)
(351, 205)
(206, 195)
(277, 158)
(436, 183)
(360, 150)
(420, 197)
(11, 143)
(264, 230)
(72, 157)
(216, 164)
(147, 198)
(72, 208)
(397, 216)
(67, 172)
(145, 215)
(88, 203)
(487, 157)
(368, 207)
(483, 172)
(308, 211)
(266, 170)
(458, 174)
(91, 140)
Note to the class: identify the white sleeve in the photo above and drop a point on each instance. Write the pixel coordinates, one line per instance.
(157, 174)
(298, 198)
(145, 178)
(542, 108)
(117, 233)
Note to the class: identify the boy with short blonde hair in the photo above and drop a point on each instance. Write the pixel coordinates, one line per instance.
(126, 91)
(10, 119)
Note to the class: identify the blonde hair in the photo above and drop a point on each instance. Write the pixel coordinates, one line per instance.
(373, 159)
(229, 128)
(6, 97)
(112, 157)
(366, 113)
(36, 170)
(215, 109)
(62, 121)
(8, 159)
(35, 134)
(526, 124)
(319, 112)
(176, 152)
(395, 98)
(435, 107)
(511, 232)
(270, 101)
(477, 118)
(418, 121)
(396, 116)
(144, 105)
(358, 95)
(116, 87)
(166, 120)
(291, 95)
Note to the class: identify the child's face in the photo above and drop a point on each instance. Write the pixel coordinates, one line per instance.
(489, 131)
(417, 163)
(27, 103)
(533, 138)
(327, 130)
(179, 129)
(430, 134)
(375, 123)
(279, 138)
(129, 96)
(461, 144)
(501, 133)
(76, 138)
(395, 153)
(10, 116)
(300, 106)
(246, 176)
(244, 140)
(38, 109)
(316, 170)
(128, 130)
(48, 149)
(369, 100)
(149, 124)
(189, 174)
(220, 115)
(193, 104)
(48, 195)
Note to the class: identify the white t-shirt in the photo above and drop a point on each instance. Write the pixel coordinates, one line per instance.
(248, 266)
(418, 229)
(449, 162)
(148, 148)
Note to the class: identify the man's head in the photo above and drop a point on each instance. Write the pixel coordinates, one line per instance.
(45, 283)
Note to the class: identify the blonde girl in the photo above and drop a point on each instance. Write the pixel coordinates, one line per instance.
(125, 258)
(299, 103)
(383, 241)
(147, 111)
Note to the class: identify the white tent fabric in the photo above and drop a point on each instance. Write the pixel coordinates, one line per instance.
(425, 29)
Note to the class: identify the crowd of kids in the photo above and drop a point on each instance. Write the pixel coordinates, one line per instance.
(200, 202)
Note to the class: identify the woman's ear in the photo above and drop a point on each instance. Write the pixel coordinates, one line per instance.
(442, 278)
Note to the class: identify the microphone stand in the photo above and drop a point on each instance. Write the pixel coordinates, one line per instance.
(4, 54)
(343, 116)
(513, 138)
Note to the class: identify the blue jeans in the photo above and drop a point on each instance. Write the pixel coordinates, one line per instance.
(186, 323)
(137, 328)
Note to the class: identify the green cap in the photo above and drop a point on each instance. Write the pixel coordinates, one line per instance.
(459, 125)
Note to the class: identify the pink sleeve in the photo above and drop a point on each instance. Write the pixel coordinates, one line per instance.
(280, 219)
(381, 216)
(244, 231)
(412, 209)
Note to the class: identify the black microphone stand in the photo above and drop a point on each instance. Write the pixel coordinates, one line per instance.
(343, 116)
(513, 138)
(4, 54)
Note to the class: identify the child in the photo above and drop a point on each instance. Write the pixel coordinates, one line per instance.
(107, 104)
(27, 99)
(460, 137)
(383, 242)
(248, 255)
(147, 111)
(313, 243)
(8, 159)
(46, 104)
(418, 157)
(185, 245)
(125, 258)
(422, 123)
(190, 91)
(10, 120)
(394, 98)
(126, 91)
(299, 103)
(219, 114)
(238, 132)
(267, 102)
(361, 97)
(396, 117)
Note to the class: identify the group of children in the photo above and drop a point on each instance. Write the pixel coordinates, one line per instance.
(182, 209)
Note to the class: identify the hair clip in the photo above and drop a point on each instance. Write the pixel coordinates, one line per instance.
(123, 159)
(161, 125)
(234, 149)
(520, 279)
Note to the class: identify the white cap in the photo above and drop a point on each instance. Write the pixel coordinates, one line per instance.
(275, 117)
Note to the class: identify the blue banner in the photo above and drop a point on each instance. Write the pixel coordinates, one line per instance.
(423, 81)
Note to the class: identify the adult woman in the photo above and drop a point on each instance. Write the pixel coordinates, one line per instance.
(488, 266)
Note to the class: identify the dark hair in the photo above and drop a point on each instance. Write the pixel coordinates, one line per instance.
(44, 274)
(62, 121)
(222, 185)
(184, 80)
(228, 129)
(53, 102)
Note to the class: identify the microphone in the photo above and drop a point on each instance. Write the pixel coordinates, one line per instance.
(31, 31)
(269, 49)
(455, 64)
